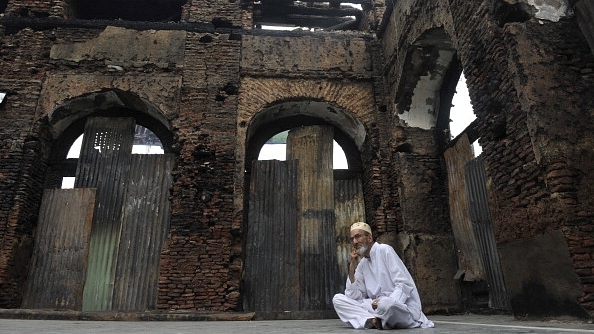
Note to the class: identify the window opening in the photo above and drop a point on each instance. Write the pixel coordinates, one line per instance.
(307, 15)
(276, 149)
(145, 142)
(462, 114)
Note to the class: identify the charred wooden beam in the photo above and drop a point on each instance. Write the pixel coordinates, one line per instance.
(270, 9)
(356, 2)
(349, 25)
(304, 21)
(320, 21)
(275, 13)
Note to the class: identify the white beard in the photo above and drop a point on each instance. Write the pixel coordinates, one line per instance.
(361, 251)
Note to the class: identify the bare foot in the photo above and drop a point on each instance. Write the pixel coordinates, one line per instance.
(373, 323)
(377, 322)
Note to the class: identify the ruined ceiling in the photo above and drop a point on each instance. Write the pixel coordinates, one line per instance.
(332, 15)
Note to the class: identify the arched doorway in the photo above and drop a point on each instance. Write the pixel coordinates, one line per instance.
(98, 245)
(299, 210)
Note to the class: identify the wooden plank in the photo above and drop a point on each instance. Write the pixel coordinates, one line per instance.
(469, 261)
(60, 251)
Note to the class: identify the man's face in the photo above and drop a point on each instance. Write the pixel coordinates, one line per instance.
(361, 241)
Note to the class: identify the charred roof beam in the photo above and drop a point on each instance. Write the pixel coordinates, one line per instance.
(306, 21)
(280, 10)
(322, 16)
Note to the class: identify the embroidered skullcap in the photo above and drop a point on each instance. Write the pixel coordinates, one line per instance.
(361, 226)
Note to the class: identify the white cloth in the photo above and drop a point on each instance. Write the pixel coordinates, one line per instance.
(384, 276)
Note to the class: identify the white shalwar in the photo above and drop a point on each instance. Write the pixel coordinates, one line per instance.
(384, 276)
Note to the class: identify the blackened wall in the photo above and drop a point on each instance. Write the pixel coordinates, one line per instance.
(209, 73)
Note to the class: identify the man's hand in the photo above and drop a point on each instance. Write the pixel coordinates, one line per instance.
(374, 304)
(354, 256)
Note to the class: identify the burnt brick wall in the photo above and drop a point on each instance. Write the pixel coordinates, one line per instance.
(340, 68)
(556, 71)
(407, 22)
(530, 84)
(21, 54)
(416, 188)
(28, 8)
(200, 267)
(381, 204)
(222, 14)
(527, 81)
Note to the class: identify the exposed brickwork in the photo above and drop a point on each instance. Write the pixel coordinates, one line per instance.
(208, 76)
(29, 8)
(222, 14)
(527, 96)
(199, 267)
(21, 155)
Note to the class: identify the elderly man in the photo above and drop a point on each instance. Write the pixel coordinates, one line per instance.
(380, 293)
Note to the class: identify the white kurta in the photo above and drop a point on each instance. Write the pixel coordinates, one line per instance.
(384, 276)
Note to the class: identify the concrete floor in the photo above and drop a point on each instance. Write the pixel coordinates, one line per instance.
(443, 324)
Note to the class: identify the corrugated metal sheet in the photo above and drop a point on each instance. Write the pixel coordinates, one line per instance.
(272, 239)
(480, 215)
(291, 244)
(312, 146)
(60, 252)
(145, 224)
(469, 260)
(349, 209)
(104, 160)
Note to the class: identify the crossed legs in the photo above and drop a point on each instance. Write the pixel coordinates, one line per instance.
(359, 314)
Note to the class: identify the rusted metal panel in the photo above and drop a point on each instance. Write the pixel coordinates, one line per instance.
(272, 239)
(349, 209)
(469, 261)
(60, 252)
(145, 224)
(104, 164)
(480, 214)
(312, 146)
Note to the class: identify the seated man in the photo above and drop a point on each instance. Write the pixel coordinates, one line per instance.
(380, 293)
